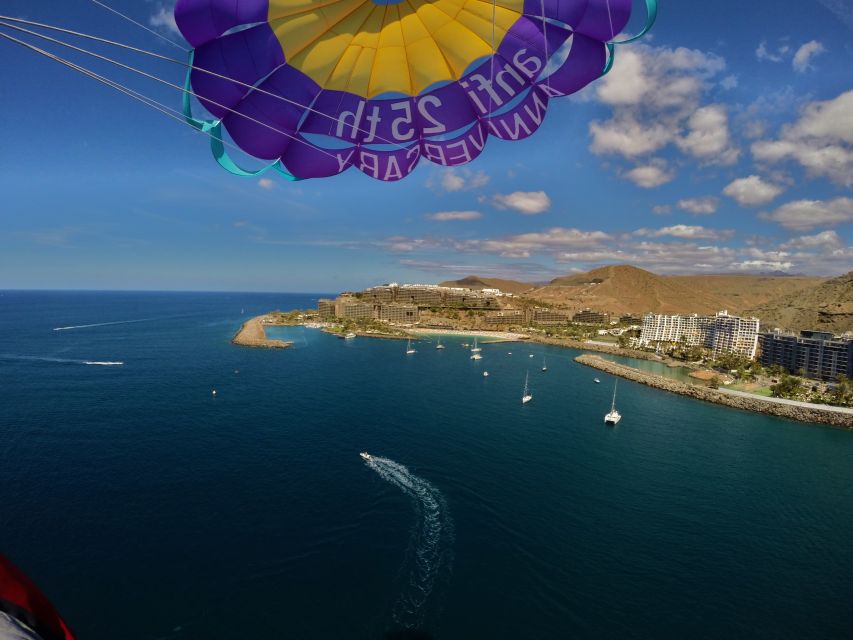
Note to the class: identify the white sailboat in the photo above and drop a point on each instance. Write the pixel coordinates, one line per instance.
(613, 416)
(526, 396)
(544, 366)
(475, 348)
(409, 349)
(439, 345)
(476, 356)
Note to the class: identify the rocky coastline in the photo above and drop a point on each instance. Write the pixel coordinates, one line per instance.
(789, 411)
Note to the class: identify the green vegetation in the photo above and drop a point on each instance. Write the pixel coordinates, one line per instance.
(788, 387)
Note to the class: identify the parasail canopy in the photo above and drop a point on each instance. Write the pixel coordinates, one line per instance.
(319, 86)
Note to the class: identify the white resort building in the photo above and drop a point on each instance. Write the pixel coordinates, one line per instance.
(722, 333)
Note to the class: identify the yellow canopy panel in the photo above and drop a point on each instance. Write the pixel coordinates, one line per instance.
(369, 49)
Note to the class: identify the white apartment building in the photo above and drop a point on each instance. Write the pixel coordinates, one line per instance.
(722, 333)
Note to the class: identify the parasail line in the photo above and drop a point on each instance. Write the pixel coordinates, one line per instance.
(192, 67)
(165, 82)
(150, 102)
(139, 24)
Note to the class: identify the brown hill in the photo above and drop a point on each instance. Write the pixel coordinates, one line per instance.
(624, 289)
(475, 282)
(827, 307)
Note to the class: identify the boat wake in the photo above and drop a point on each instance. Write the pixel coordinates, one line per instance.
(107, 324)
(99, 363)
(430, 553)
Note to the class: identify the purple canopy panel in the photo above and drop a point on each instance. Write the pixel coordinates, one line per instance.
(584, 64)
(523, 120)
(245, 56)
(388, 166)
(279, 102)
(605, 19)
(443, 110)
(569, 12)
(339, 114)
(201, 21)
(305, 160)
(456, 151)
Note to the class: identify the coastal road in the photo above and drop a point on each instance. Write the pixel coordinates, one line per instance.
(796, 403)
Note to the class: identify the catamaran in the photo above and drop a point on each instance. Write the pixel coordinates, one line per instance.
(475, 348)
(613, 416)
(544, 366)
(409, 349)
(439, 345)
(526, 396)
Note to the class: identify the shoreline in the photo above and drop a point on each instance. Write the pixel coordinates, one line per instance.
(493, 336)
(830, 416)
(253, 334)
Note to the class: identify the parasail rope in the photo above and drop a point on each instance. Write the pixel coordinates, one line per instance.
(139, 24)
(161, 81)
(170, 112)
(186, 65)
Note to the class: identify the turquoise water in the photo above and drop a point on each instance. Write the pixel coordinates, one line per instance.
(682, 374)
(147, 508)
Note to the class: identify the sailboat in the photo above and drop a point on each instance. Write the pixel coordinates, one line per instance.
(475, 348)
(439, 345)
(544, 366)
(409, 349)
(527, 396)
(613, 416)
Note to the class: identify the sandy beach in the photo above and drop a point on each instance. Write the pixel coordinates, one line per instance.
(252, 334)
(491, 336)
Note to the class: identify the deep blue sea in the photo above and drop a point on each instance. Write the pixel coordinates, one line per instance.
(146, 507)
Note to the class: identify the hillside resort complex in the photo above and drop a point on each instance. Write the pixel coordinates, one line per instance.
(814, 354)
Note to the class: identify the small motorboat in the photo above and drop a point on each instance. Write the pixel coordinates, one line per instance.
(596, 381)
(364, 455)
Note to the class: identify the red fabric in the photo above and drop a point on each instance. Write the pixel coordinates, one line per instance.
(19, 591)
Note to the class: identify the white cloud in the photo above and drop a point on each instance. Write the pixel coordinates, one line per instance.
(451, 180)
(752, 191)
(651, 175)
(802, 61)
(765, 54)
(266, 183)
(808, 214)
(525, 202)
(821, 140)
(729, 82)
(163, 18)
(699, 206)
(444, 216)
(708, 136)
(828, 239)
(662, 209)
(523, 245)
(686, 231)
(656, 95)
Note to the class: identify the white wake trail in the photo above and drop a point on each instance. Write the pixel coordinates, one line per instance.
(430, 544)
(107, 324)
(24, 358)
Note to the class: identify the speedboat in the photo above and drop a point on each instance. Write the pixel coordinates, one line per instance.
(596, 381)
(349, 336)
(485, 374)
(364, 455)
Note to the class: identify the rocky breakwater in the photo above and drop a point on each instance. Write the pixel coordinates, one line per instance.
(252, 334)
(761, 405)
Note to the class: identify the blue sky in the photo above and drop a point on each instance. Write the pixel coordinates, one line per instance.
(721, 144)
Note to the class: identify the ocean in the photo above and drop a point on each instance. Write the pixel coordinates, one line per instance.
(148, 508)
